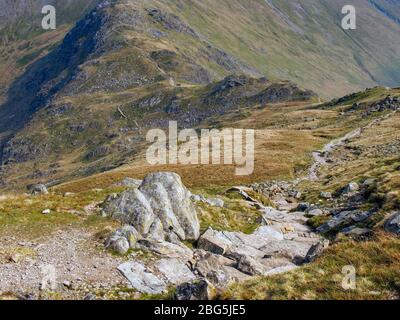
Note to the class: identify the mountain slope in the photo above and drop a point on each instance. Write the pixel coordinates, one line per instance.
(23, 41)
(303, 40)
(84, 105)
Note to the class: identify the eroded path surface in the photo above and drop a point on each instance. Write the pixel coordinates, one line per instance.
(321, 157)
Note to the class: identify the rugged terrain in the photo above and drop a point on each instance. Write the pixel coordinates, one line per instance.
(86, 100)
(79, 197)
(348, 195)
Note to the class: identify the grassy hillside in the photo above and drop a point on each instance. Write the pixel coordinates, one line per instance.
(303, 40)
(22, 39)
(82, 105)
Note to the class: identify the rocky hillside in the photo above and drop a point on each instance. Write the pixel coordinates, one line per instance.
(77, 102)
(122, 70)
(154, 238)
(127, 66)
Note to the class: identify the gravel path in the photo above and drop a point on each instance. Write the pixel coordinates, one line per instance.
(71, 259)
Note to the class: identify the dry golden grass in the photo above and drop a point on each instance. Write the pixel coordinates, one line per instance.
(377, 265)
(279, 154)
(370, 161)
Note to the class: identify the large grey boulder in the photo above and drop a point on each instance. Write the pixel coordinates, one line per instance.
(131, 207)
(179, 198)
(160, 209)
(392, 225)
(344, 219)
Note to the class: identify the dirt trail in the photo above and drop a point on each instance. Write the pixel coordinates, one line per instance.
(320, 157)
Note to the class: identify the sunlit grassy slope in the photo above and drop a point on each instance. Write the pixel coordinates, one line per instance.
(303, 40)
(375, 262)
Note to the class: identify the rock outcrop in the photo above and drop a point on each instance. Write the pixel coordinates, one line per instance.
(197, 290)
(160, 215)
(129, 183)
(392, 225)
(316, 250)
(123, 239)
(38, 189)
(160, 209)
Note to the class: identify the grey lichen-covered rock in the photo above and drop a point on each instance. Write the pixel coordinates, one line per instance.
(250, 266)
(167, 249)
(351, 187)
(160, 207)
(197, 290)
(182, 207)
(118, 244)
(316, 250)
(344, 219)
(38, 189)
(131, 207)
(175, 271)
(118, 240)
(142, 279)
(392, 225)
(214, 241)
(130, 183)
(258, 253)
(326, 195)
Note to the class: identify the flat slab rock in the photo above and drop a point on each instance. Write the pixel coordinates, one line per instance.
(142, 279)
(175, 271)
(266, 247)
(156, 278)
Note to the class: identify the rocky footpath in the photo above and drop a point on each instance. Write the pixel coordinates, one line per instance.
(161, 218)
